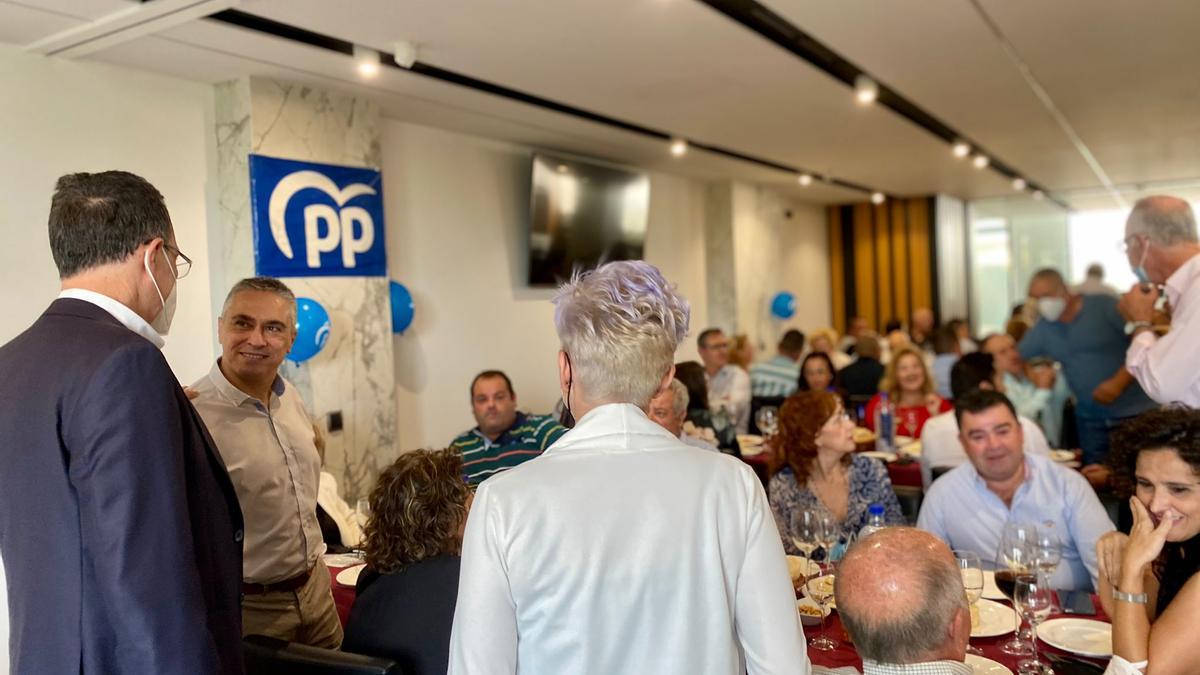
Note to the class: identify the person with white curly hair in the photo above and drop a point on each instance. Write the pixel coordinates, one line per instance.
(621, 549)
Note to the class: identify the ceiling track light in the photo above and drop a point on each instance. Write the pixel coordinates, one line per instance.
(865, 90)
(679, 147)
(1019, 184)
(366, 61)
(961, 149)
(877, 198)
(980, 161)
(1038, 195)
(804, 179)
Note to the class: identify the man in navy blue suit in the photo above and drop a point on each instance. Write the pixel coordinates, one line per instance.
(119, 529)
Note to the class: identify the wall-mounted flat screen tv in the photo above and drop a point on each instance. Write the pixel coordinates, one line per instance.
(583, 213)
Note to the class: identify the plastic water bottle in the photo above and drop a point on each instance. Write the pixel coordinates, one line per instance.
(885, 425)
(875, 521)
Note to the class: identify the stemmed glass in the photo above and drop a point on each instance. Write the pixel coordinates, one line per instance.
(1031, 597)
(1016, 558)
(805, 524)
(972, 576)
(820, 586)
(767, 420)
(1048, 553)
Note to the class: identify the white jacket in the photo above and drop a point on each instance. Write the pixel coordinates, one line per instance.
(622, 550)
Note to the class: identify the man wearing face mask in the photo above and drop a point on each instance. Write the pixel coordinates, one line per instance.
(1161, 242)
(1086, 334)
(120, 530)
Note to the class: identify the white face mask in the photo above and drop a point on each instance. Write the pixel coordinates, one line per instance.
(1051, 308)
(162, 323)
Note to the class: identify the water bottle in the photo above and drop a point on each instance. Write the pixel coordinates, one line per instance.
(885, 425)
(875, 521)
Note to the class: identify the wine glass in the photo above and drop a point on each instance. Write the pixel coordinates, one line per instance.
(829, 531)
(820, 589)
(1015, 559)
(1048, 551)
(767, 420)
(805, 524)
(972, 576)
(1031, 597)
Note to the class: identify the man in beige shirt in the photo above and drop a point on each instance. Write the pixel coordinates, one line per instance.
(266, 439)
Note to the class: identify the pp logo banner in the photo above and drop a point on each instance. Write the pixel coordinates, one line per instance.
(316, 219)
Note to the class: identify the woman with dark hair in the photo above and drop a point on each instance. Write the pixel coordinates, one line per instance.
(909, 387)
(816, 438)
(698, 422)
(406, 594)
(1148, 580)
(818, 374)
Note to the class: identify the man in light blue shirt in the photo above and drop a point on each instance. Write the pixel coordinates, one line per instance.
(969, 506)
(780, 375)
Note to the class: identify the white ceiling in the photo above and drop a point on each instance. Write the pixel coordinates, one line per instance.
(1123, 74)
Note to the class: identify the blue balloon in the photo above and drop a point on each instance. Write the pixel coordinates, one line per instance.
(312, 330)
(402, 307)
(783, 305)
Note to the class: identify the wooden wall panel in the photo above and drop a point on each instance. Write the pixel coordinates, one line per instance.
(837, 267)
(864, 264)
(901, 275)
(885, 298)
(919, 254)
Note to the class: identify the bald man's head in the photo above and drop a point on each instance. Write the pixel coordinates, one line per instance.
(900, 595)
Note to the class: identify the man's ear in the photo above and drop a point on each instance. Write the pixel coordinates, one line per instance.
(564, 373)
(665, 383)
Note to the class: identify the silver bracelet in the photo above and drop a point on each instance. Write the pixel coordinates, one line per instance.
(1136, 598)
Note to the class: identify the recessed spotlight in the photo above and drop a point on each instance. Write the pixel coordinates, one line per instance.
(404, 53)
(980, 161)
(865, 90)
(679, 147)
(1038, 195)
(1019, 184)
(563, 168)
(366, 61)
(804, 179)
(961, 149)
(877, 198)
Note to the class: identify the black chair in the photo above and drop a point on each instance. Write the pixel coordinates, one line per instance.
(272, 656)
(1070, 428)
(910, 498)
(937, 471)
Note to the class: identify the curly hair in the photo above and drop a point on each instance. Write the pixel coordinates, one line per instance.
(891, 382)
(417, 507)
(1176, 428)
(800, 420)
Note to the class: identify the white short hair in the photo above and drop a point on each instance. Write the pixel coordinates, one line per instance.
(1165, 220)
(680, 398)
(619, 325)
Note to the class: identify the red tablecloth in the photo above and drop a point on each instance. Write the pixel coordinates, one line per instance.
(343, 596)
(846, 655)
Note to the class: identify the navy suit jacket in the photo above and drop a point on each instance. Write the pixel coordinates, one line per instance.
(120, 530)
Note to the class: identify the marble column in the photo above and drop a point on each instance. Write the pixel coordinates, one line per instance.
(353, 374)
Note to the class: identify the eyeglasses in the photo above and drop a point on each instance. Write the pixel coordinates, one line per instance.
(183, 264)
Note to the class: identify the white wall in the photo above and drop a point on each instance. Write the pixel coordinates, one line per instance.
(64, 116)
(457, 212)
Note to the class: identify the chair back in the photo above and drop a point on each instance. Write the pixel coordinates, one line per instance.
(272, 656)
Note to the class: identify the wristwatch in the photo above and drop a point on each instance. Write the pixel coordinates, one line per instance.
(1136, 598)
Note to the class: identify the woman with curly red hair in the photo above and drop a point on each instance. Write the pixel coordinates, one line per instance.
(816, 438)
(406, 595)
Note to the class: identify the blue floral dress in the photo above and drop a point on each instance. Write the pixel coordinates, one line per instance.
(869, 484)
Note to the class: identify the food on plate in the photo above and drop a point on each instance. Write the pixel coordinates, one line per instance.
(809, 610)
(863, 435)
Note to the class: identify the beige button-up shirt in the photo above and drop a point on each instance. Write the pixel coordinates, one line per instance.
(275, 469)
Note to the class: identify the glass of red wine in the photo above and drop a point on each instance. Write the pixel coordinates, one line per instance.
(1016, 560)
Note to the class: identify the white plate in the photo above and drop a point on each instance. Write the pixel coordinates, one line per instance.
(749, 439)
(752, 450)
(797, 567)
(349, 576)
(885, 457)
(1062, 455)
(827, 579)
(984, 666)
(864, 435)
(341, 559)
(994, 619)
(913, 449)
(1085, 637)
(902, 441)
(808, 619)
(990, 590)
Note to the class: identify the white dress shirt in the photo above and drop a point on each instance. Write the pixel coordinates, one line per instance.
(120, 312)
(622, 550)
(941, 447)
(729, 389)
(961, 511)
(275, 469)
(1167, 367)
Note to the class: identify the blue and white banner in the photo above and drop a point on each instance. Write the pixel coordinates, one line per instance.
(315, 220)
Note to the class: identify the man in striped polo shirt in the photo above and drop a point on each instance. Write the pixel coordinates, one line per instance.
(780, 375)
(503, 437)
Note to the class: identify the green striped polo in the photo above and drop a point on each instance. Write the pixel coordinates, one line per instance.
(527, 438)
(777, 377)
